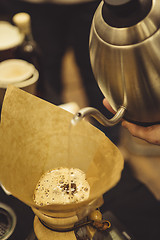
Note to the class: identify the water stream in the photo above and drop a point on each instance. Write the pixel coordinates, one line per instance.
(70, 160)
(71, 139)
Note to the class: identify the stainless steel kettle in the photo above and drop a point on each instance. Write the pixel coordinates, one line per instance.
(125, 58)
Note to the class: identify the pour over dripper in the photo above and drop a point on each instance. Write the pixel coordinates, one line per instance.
(34, 139)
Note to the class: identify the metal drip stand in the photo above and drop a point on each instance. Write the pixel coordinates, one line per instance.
(7, 221)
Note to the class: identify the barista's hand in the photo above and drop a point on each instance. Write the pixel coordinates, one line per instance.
(150, 134)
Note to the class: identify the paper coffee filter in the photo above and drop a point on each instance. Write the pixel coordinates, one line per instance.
(34, 137)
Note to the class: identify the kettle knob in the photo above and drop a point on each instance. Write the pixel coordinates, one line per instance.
(117, 2)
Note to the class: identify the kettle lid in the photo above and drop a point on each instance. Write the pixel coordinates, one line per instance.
(117, 22)
(125, 13)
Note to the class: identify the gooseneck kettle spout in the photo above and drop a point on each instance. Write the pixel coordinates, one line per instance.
(93, 112)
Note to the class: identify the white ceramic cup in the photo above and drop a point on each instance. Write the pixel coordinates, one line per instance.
(10, 39)
(19, 73)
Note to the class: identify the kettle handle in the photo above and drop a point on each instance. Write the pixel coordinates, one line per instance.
(93, 112)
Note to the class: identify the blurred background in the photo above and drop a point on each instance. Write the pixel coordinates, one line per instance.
(57, 44)
(61, 32)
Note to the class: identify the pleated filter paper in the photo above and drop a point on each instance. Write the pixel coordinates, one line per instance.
(36, 136)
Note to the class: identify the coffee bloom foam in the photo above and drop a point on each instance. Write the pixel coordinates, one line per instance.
(61, 186)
